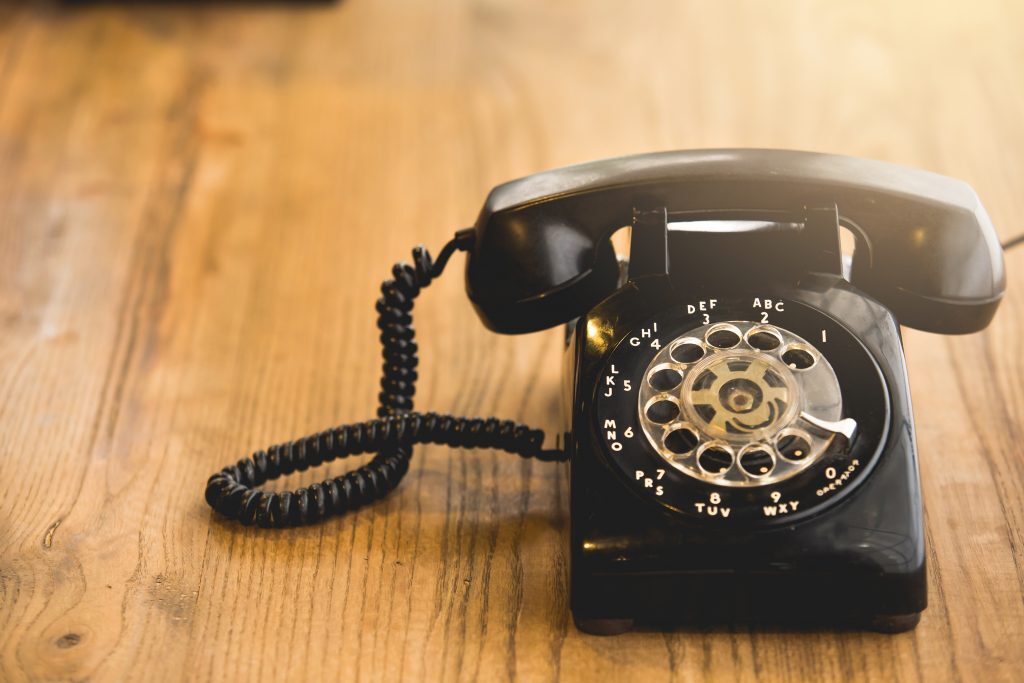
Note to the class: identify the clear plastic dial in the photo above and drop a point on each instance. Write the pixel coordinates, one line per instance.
(740, 403)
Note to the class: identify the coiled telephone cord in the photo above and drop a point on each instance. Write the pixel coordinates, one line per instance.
(232, 491)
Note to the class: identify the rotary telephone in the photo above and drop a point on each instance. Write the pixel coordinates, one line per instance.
(738, 423)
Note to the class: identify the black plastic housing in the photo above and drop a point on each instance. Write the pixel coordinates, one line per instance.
(738, 226)
(858, 563)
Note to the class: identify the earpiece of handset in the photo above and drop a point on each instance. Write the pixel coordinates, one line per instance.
(524, 278)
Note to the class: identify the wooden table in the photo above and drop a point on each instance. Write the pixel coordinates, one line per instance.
(197, 206)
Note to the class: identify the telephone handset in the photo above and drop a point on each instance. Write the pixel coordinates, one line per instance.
(738, 421)
(926, 247)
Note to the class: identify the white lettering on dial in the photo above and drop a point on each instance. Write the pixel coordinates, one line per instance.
(611, 434)
(702, 306)
(780, 508)
(609, 381)
(770, 304)
(648, 482)
(712, 510)
(713, 507)
(767, 305)
(645, 334)
(837, 479)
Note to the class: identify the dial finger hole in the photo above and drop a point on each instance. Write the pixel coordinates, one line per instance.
(799, 357)
(715, 459)
(723, 336)
(757, 461)
(764, 338)
(681, 440)
(688, 350)
(662, 410)
(794, 446)
(664, 378)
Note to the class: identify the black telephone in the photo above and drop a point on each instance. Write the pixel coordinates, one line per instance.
(738, 420)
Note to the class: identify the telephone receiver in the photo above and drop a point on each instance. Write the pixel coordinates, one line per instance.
(925, 246)
(737, 415)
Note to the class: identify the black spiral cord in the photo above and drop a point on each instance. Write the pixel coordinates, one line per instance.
(232, 491)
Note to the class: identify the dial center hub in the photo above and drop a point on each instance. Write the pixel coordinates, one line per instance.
(735, 394)
(741, 396)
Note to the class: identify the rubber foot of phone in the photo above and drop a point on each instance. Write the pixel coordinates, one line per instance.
(894, 623)
(604, 627)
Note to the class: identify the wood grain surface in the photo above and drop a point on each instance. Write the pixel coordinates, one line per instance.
(197, 205)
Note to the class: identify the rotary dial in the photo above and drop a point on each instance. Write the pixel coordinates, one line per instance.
(741, 404)
(741, 409)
